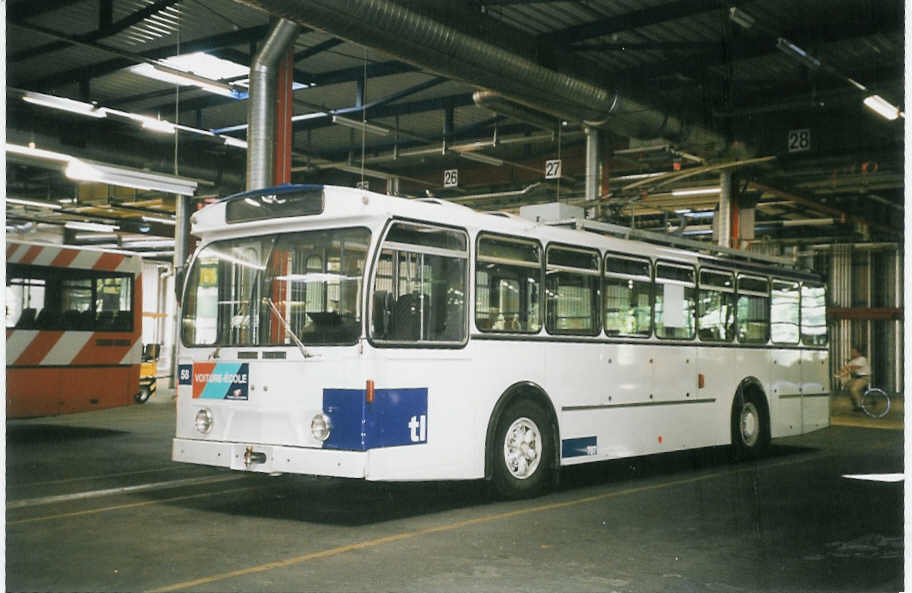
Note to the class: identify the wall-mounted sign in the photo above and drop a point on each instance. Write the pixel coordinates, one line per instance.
(799, 140)
(553, 169)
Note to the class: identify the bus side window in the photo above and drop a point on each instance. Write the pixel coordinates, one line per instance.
(784, 312)
(675, 300)
(813, 314)
(420, 285)
(508, 285)
(753, 322)
(572, 291)
(628, 296)
(716, 306)
(25, 290)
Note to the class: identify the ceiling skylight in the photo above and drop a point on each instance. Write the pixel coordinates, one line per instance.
(208, 72)
(199, 69)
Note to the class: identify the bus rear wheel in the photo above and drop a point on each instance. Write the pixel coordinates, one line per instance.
(750, 427)
(523, 451)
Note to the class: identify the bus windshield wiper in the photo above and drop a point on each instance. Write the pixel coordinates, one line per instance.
(288, 329)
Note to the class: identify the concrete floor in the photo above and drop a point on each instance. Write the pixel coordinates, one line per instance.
(132, 520)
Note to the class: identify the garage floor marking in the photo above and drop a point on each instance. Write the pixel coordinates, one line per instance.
(458, 525)
(128, 505)
(29, 502)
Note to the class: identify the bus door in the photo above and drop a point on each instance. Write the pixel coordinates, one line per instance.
(815, 373)
(673, 359)
(785, 396)
(419, 327)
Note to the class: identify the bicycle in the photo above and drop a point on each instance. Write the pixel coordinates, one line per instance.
(875, 402)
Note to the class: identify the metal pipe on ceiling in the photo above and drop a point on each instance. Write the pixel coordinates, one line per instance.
(261, 107)
(446, 50)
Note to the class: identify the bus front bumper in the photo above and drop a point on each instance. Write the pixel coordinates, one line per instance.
(271, 458)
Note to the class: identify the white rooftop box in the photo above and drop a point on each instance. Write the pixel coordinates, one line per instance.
(551, 212)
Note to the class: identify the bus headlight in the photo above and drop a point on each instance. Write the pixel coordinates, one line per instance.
(321, 426)
(203, 420)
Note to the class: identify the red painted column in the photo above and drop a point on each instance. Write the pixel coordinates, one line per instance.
(283, 124)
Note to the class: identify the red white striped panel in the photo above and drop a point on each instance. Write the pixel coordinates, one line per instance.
(60, 256)
(32, 347)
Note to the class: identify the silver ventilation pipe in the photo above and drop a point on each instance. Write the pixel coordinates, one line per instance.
(445, 50)
(261, 106)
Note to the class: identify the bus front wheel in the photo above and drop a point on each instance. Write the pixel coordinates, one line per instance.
(523, 451)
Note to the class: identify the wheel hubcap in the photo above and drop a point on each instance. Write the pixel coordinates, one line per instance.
(750, 424)
(522, 448)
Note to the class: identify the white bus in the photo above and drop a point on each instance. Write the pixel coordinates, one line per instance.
(338, 332)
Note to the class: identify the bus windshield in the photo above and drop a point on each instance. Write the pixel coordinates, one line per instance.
(277, 289)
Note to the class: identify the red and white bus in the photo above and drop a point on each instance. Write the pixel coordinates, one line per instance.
(73, 329)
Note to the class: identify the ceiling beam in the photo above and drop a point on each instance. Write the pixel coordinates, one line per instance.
(101, 33)
(231, 38)
(27, 10)
(631, 20)
(344, 75)
(318, 48)
(751, 47)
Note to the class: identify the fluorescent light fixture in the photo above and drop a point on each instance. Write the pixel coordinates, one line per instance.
(882, 107)
(683, 211)
(79, 170)
(159, 219)
(358, 171)
(37, 153)
(64, 104)
(637, 176)
(740, 17)
(158, 125)
(876, 477)
(856, 84)
(790, 49)
(481, 158)
(236, 142)
(33, 203)
(702, 191)
(360, 125)
(95, 236)
(90, 226)
(149, 243)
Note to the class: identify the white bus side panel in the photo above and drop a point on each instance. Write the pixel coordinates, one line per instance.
(815, 379)
(785, 396)
(453, 449)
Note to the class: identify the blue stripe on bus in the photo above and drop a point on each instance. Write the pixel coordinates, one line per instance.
(579, 447)
(228, 380)
(396, 417)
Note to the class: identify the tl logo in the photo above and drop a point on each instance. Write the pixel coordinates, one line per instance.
(418, 427)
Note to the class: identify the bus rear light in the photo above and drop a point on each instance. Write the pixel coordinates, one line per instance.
(701, 381)
(369, 391)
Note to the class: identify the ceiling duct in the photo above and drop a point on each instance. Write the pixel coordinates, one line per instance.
(445, 50)
(502, 106)
(261, 108)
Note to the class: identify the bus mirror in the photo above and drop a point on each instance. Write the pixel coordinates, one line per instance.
(383, 310)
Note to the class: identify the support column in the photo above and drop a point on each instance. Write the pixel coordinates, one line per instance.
(897, 334)
(181, 254)
(723, 219)
(284, 127)
(840, 296)
(593, 164)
